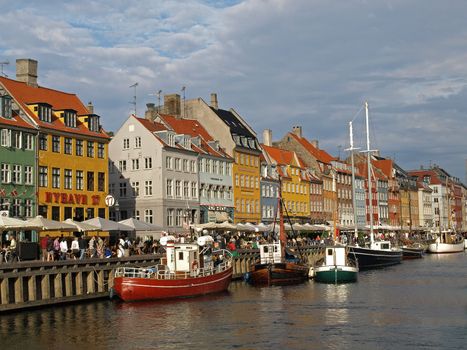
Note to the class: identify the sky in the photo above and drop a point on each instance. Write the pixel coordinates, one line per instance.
(279, 63)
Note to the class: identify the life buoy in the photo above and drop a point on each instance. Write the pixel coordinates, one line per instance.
(194, 265)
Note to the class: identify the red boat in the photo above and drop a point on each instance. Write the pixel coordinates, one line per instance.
(187, 270)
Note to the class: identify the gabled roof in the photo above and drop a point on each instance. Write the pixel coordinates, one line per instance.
(320, 155)
(281, 156)
(16, 121)
(25, 95)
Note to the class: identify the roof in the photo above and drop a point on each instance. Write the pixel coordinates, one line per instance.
(235, 125)
(25, 95)
(16, 121)
(190, 127)
(319, 154)
(281, 156)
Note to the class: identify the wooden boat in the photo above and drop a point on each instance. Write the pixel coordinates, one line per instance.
(189, 269)
(377, 254)
(447, 243)
(273, 267)
(336, 267)
(412, 252)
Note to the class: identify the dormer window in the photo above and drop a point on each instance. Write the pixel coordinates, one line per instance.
(44, 111)
(93, 123)
(69, 118)
(5, 107)
(171, 139)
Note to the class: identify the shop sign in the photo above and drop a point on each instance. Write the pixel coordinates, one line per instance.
(70, 198)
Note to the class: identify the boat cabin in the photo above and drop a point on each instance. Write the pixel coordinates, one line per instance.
(182, 257)
(270, 253)
(335, 256)
(381, 245)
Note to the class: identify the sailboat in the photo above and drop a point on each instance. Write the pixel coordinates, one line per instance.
(379, 253)
(447, 242)
(273, 268)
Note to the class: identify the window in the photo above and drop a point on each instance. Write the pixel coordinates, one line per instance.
(56, 144)
(28, 208)
(112, 188)
(137, 142)
(122, 165)
(178, 218)
(135, 186)
(100, 150)
(28, 142)
(28, 176)
(135, 164)
(5, 138)
(69, 118)
(169, 188)
(168, 162)
(79, 180)
(5, 107)
(185, 165)
(208, 165)
(122, 189)
(90, 181)
(193, 166)
(6, 173)
(236, 179)
(45, 113)
(148, 188)
(79, 147)
(68, 183)
(17, 140)
(68, 146)
(16, 174)
(101, 181)
(55, 177)
(177, 164)
(43, 176)
(186, 191)
(148, 215)
(90, 150)
(43, 142)
(194, 190)
(126, 143)
(93, 123)
(170, 217)
(177, 188)
(16, 207)
(136, 214)
(215, 166)
(147, 163)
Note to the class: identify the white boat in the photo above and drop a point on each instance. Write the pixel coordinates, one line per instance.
(335, 267)
(447, 243)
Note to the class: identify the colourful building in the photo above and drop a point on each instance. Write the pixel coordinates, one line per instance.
(72, 162)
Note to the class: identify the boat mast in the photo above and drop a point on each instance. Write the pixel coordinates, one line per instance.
(354, 201)
(282, 237)
(368, 157)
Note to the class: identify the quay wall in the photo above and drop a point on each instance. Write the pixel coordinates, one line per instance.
(31, 284)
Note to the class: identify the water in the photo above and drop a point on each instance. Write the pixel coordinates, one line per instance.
(421, 304)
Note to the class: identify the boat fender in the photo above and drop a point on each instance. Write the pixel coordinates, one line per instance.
(194, 265)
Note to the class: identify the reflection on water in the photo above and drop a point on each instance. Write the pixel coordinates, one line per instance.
(418, 304)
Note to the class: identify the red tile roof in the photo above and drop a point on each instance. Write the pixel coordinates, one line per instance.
(281, 156)
(190, 127)
(319, 154)
(25, 95)
(16, 121)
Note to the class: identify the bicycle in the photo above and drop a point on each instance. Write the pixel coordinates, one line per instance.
(10, 256)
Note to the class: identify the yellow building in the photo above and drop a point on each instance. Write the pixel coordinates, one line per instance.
(72, 156)
(295, 183)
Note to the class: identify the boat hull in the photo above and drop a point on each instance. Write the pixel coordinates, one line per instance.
(412, 253)
(278, 274)
(336, 274)
(445, 248)
(374, 258)
(136, 289)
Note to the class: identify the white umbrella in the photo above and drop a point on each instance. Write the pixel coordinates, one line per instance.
(245, 227)
(226, 226)
(108, 225)
(139, 225)
(82, 226)
(44, 224)
(262, 227)
(9, 223)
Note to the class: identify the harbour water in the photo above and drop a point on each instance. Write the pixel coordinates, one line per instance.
(420, 304)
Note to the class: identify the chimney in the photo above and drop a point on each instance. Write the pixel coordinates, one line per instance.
(297, 130)
(214, 103)
(90, 107)
(267, 137)
(150, 113)
(26, 71)
(315, 143)
(172, 104)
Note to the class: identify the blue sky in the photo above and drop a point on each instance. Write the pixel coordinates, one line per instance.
(279, 63)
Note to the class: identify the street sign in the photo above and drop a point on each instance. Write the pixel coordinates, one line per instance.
(110, 200)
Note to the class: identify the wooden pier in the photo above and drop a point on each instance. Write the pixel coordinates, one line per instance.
(37, 283)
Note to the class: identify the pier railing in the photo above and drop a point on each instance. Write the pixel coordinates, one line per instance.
(29, 284)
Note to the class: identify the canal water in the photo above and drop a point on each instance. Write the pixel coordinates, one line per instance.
(420, 304)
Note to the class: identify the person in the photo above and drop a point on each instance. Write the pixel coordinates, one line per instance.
(82, 247)
(44, 241)
(75, 248)
(127, 247)
(63, 248)
(92, 247)
(100, 247)
(12, 248)
(56, 248)
(50, 249)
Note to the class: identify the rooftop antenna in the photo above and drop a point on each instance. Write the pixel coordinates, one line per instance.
(3, 63)
(183, 91)
(134, 96)
(158, 94)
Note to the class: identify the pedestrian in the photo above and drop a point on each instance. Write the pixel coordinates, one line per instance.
(56, 248)
(100, 247)
(44, 241)
(50, 249)
(92, 247)
(120, 249)
(63, 248)
(82, 247)
(75, 248)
